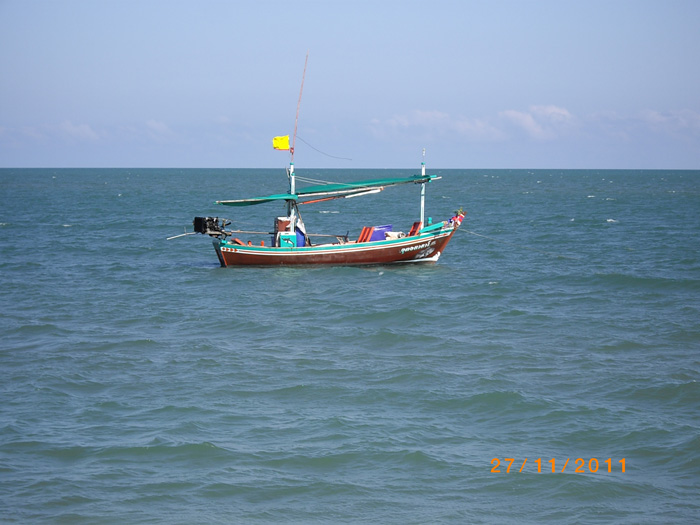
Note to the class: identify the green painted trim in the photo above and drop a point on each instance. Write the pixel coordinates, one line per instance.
(436, 226)
(326, 247)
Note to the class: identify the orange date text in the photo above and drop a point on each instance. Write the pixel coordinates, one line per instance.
(578, 465)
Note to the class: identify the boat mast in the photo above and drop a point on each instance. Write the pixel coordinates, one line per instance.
(422, 192)
(292, 185)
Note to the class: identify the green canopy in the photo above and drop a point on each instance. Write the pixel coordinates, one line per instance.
(259, 200)
(359, 186)
(347, 189)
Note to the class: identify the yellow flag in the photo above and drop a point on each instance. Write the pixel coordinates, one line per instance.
(281, 142)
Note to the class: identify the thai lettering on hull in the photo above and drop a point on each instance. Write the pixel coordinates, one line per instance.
(417, 247)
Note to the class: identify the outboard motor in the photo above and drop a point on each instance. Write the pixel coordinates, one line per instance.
(210, 226)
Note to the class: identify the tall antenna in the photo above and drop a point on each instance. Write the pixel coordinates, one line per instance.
(296, 120)
(422, 192)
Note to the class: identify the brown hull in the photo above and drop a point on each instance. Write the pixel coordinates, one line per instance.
(419, 248)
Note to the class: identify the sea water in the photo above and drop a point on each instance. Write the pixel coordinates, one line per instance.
(545, 370)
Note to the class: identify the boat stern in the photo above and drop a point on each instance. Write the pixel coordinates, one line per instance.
(217, 247)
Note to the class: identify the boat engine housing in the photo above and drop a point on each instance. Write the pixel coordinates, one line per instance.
(209, 226)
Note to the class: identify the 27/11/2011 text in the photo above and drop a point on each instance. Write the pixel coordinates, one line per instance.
(580, 466)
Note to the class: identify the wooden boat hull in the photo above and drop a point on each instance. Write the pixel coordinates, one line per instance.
(421, 248)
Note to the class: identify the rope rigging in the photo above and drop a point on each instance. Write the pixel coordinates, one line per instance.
(552, 254)
(321, 152)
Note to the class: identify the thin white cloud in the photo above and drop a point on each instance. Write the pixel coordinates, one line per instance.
(552, 113)
(683, 124)
(526, 121)
(434, 124)
(159, 131)
(540, 122)
(478, 128)
(78, 131)
(161, 128)
(543, 124)
(671, 121)
(430, 118)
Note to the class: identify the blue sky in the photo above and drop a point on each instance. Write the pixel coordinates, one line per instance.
(479, 84)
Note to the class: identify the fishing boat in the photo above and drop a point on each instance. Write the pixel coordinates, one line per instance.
(290, 244)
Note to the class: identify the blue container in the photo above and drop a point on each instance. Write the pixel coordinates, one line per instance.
(301, 240)
(379, 231)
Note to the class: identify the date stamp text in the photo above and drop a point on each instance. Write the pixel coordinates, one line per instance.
(579, 465)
